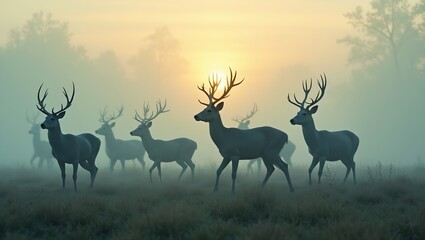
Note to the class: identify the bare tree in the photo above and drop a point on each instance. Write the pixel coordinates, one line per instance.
(117, 149)
(79, 149)
(324, 145)
(42, 149)
(237, 144)
(179, 150)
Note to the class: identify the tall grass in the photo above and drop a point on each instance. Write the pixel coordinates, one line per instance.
(127, 206)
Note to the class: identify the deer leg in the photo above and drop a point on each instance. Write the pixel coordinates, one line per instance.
(220, 169)
(191, 165)
(142, 162)
(62, 167)
(74, 174)
(159, 171)
(258, 160)
(353, 166)
(312, 166)
(270, 170)
(284, 167)
(321, 165)
(151, 169)
(122, 164)
(40, 162)
(184, 166)
(250, 166)
(32, 160)
(111, 167)
(235, 163)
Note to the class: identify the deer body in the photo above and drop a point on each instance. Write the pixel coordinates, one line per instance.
(236, 144)
(178, 150)
(67, 148)
(324, 145)
(42, 149)
(117, 149)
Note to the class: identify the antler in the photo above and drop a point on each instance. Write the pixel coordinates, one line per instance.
(34, 118)
(146, 109)
(306, 89)
(42, 106)
(322, 85)
(105, 119)
(214, 83)
(248, 116)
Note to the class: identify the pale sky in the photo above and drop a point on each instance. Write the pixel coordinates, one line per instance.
(258, 35)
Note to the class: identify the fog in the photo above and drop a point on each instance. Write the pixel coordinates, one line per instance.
(129, 52)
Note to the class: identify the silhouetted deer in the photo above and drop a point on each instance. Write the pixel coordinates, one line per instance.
(42, 149)
(117, 149)
(178, 150)
(324, 145)
(285, 153)
(67, 148)
(236, 144)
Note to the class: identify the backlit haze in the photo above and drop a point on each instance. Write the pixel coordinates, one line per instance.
(274, 45)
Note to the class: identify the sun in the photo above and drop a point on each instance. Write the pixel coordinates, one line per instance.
(218, 75)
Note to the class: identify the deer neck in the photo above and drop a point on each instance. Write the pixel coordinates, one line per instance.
(109, 138)
(55, 137)
(36, 139)
(147, 140)
(217, 130)
(310, 134)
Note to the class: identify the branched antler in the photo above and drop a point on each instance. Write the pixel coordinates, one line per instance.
(214, 83)
(105, 119)
(33, 120)
(248, 116)
(146, 109)
(307, 87)
(42, 106)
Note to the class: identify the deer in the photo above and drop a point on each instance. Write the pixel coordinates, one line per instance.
(117, 149)
(323, 145)
(77, 150)
(240, 144)
(179, 150)
(286, 153)
(42, 149)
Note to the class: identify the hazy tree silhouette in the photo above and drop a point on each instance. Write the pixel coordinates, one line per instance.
(160, 58)
(388, 36)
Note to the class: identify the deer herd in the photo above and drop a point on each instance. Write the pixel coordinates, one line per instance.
(267, 144)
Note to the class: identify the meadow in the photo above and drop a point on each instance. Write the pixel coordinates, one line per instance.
(387, 203)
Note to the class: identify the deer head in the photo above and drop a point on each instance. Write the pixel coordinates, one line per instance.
(106, 127)
(35, 128)
(305, 114)
(212, 109)
(52, 118)
(244, 122)
(146, 120)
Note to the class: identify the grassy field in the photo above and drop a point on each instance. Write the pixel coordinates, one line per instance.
(385, 204)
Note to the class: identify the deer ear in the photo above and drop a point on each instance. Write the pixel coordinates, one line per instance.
(219, 106)
(113, 124)
(314, 109)
(149, 124)
(60, 115)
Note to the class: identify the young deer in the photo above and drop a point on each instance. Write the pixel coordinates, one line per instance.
(67, 148)
(324, 145)
(42, 149)
(236, 144)
(117, 149)
(178, 150)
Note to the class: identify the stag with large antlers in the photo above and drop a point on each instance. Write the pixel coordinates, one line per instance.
(67, 148)
(285, 153)
(237, 144)
(178, 150)
(42, 149)
(323, 145)
(117, 149)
